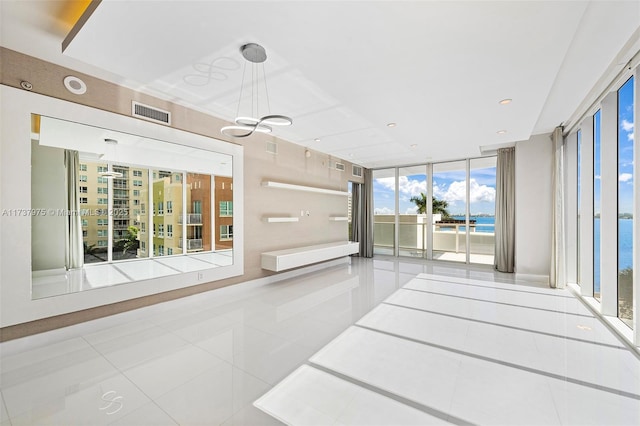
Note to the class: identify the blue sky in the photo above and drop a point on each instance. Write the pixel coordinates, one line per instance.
(625, 147)
(625, 151)
(448, 185)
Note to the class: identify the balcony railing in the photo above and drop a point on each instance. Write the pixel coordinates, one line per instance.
(193, 244)
(192, 219)
(447, 237)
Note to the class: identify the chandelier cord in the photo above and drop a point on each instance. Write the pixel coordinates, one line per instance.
(244, 71)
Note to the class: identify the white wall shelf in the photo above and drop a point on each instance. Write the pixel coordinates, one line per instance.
(272, 184)
(338, 218)
(281, 219)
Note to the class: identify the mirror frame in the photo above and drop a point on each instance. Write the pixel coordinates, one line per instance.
(16, 305)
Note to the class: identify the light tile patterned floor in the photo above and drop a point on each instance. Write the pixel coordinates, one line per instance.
(381, 341)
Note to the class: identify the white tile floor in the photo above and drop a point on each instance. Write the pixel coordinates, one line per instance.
(380, 341)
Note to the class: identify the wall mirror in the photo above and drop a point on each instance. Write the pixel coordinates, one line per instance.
(113, 208)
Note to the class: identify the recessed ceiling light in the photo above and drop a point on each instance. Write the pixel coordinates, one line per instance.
(317, 140)
(584, 327)
(501, 132)
(506, 101)
(75, 85)
(391, 124)
(413, 145)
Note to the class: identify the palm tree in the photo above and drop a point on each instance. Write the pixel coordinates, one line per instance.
(437, 206)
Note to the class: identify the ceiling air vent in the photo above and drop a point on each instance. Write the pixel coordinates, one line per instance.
(272, 148)
(340, 166)
(147, 112)
(356, 170)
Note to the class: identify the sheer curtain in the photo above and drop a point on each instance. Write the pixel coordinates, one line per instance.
(74, 249)
(557, 274)
(505, 210)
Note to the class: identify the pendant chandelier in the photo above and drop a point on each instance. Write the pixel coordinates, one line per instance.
(248, 124)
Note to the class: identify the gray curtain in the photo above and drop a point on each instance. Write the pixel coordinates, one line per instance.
(356, 214)
(74, 249)
(557, 273)
(505, 210)
(366, 203)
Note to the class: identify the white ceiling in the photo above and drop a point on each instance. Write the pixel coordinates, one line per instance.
(344, 69)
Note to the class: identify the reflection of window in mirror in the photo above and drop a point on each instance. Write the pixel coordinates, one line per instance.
(94, 186)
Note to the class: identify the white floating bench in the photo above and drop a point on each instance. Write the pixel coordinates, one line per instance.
(292, 258)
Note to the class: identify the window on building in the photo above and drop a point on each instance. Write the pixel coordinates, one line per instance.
(103, 201)
(103, 180)
(137, 173)
(83, 167)
(226, 208)
(83, 178)
(169, 230)
(85, 222)
(83, 189)
(169, 207)
(83, 200)
(137, 182)
(226, 232)
(160, 230)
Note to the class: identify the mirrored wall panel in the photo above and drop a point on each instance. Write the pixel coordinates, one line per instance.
(117, 208)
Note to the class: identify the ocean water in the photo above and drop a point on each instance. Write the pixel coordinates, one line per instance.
(483, 223)
(625, 248)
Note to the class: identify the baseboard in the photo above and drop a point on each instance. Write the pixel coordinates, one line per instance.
(544, 279)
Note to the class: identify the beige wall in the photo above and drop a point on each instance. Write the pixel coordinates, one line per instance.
(289, 165)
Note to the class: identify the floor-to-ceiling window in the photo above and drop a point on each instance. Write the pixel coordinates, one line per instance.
(384, 211)
(597, 193)
(482, 208)
(626, 188)
(450, 211)
(579, 165)
(412, 213)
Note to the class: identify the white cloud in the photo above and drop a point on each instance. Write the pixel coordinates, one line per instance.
(412, 210)
(625, 177)
(383, 210)
(411, 187)
(626, 125)
(631, 136)
(457, 190)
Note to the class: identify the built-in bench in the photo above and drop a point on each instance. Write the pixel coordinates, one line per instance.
(281, 260)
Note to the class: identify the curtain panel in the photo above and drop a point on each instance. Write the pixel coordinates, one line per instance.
(505, 210)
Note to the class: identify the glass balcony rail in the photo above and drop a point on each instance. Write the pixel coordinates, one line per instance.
(192, 219)
(193, 244)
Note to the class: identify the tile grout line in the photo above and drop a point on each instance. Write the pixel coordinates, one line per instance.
(442, 280)
(497, 303)
(508, 364)
(512, 327)
(405, 401)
